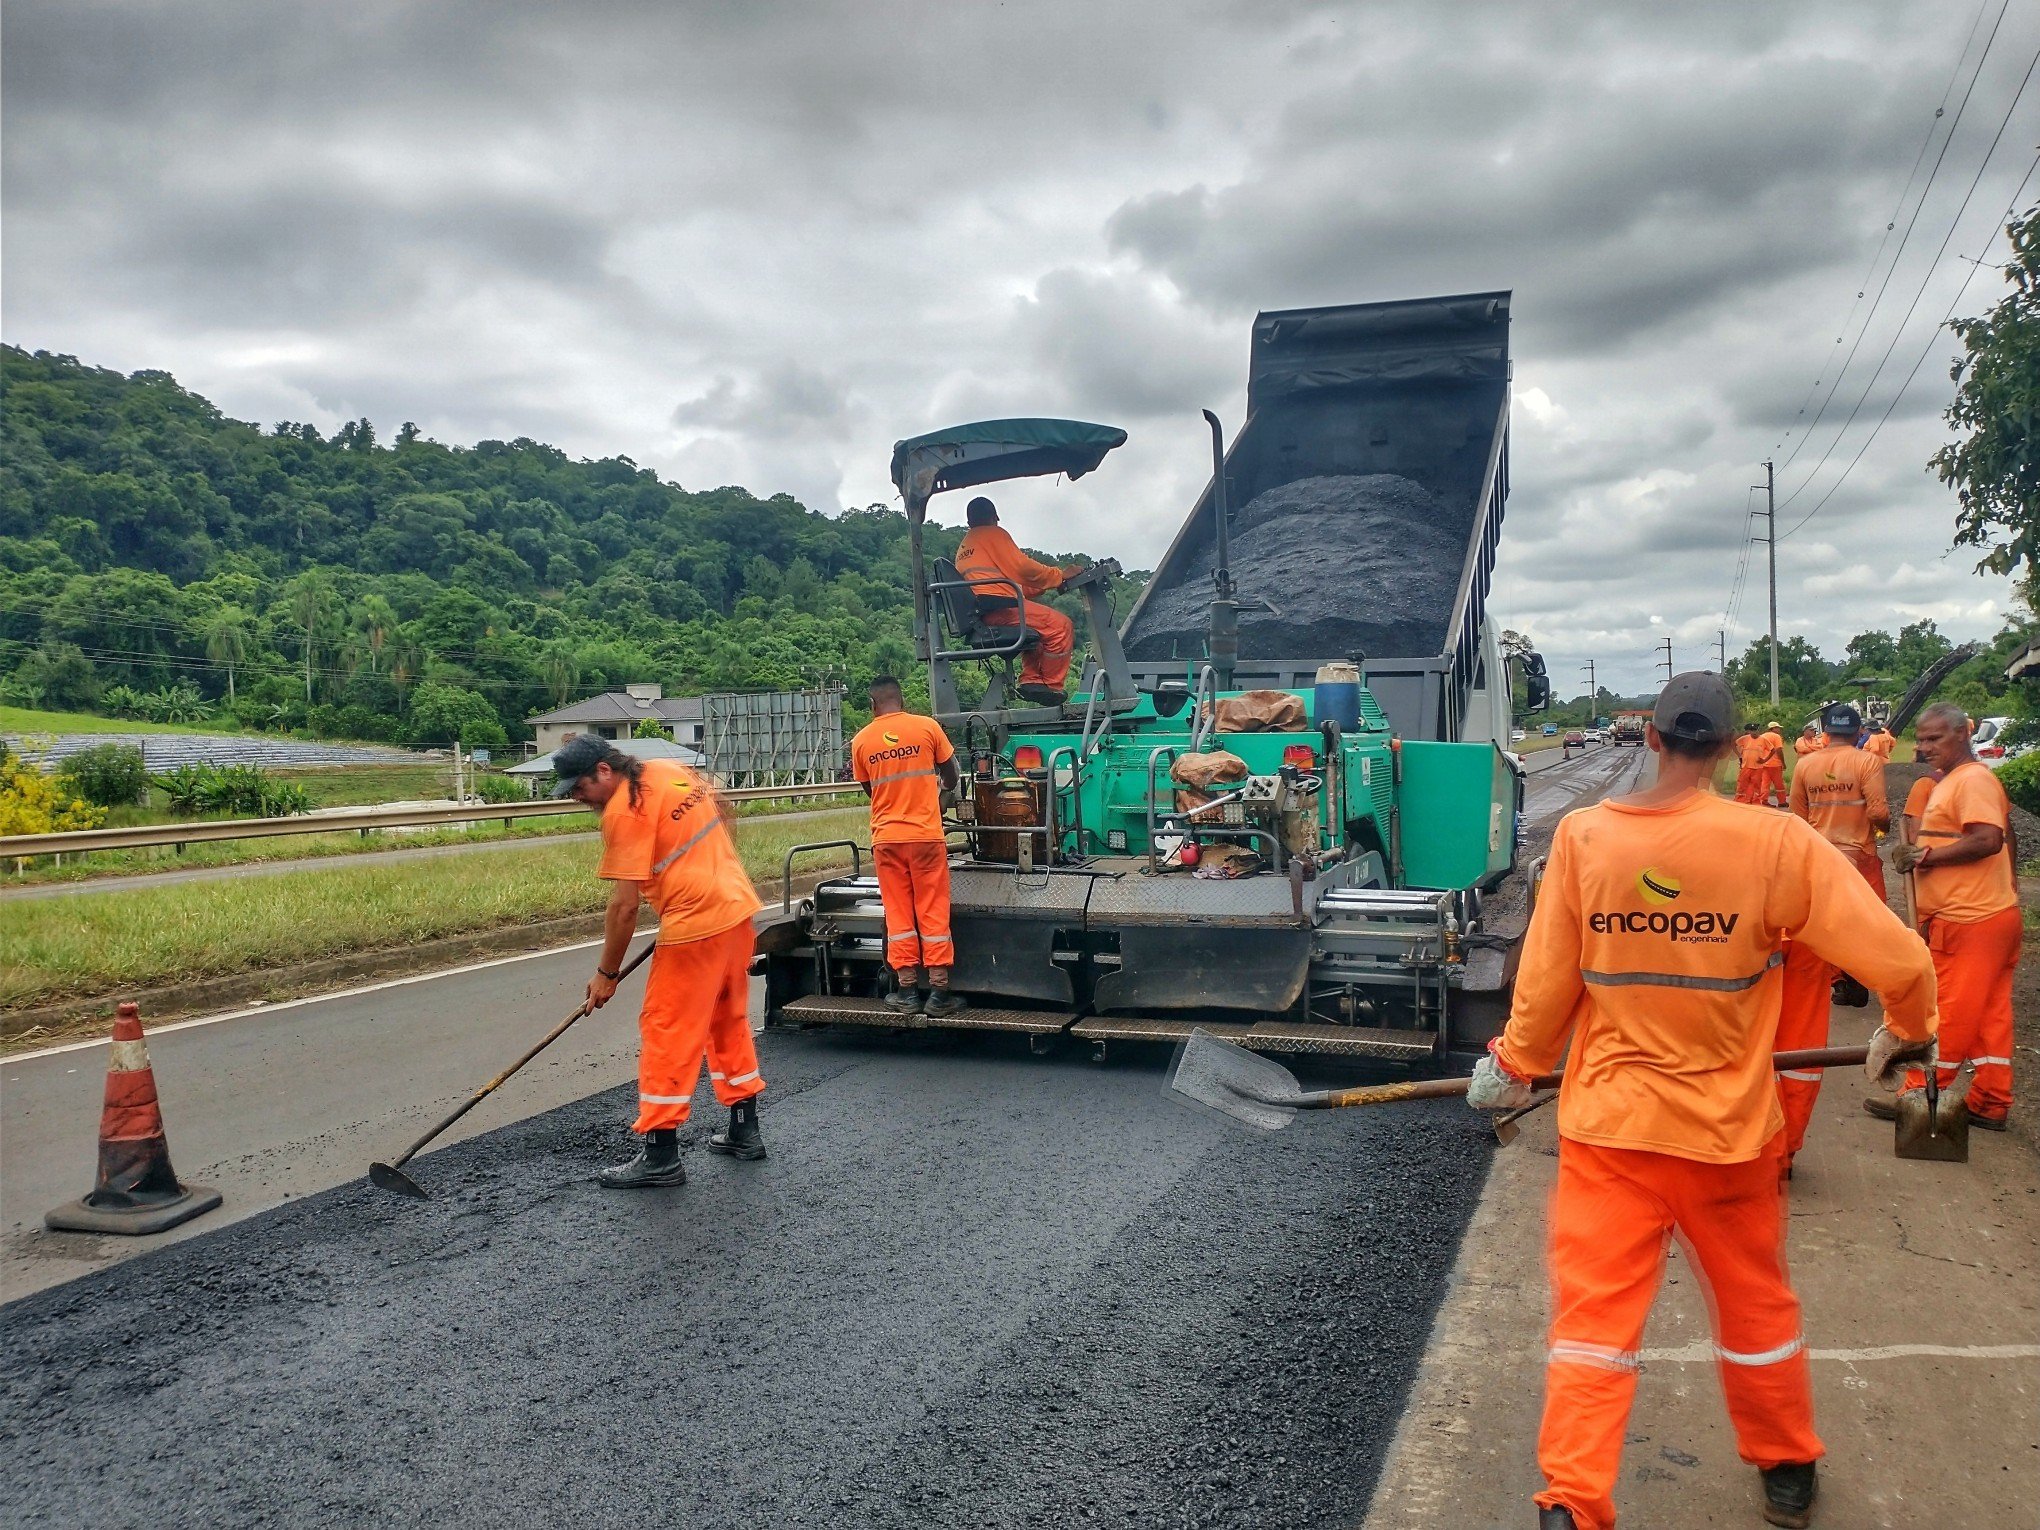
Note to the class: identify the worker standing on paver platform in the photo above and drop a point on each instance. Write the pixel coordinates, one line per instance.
(664, 842)
(905, 763)
(1771, 766)
(1840, 791)
(1968, 890)
(1749, 769)
(988, 551)
(1653, 949)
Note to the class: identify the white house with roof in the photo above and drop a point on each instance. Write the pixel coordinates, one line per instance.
(616, 714)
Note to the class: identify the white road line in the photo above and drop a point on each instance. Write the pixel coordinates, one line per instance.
(317, 998)
(1703, 1354)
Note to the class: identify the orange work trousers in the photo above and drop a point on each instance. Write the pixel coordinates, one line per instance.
(1771, 786)
(1749, 784)
(1973, 966)
(913, 882)
(1048, 661)
(1804, 1011)
(1612, 1218)
(697, 1002)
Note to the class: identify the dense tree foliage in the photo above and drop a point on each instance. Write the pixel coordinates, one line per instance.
(1995, 467)
(406, 590)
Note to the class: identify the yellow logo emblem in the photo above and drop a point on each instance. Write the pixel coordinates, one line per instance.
(1656, 887)
(890, 738)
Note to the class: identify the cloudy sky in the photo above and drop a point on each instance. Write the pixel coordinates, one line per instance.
(755, 243)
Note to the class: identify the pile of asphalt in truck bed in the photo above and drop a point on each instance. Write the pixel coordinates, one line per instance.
(1362, 564)
(968, 1288)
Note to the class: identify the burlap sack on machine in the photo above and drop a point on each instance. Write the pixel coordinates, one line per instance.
(1216, 790)
(1204, 778)
(1262, 712)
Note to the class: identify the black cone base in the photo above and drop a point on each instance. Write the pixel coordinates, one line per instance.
(78, 1216)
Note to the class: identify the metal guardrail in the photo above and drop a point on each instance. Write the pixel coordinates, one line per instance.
(76, 841)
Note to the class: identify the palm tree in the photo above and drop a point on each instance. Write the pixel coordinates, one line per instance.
(226, 641)
(562, 672)
(375, 619)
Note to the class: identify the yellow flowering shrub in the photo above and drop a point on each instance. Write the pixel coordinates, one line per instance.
(33, 803)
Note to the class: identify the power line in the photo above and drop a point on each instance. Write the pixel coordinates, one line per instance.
(1925, 352)
(1891, 223)
(1926, 280)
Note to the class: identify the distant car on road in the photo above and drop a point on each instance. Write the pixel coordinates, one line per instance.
(1991, 747)
(1517, 735)
(1597, 735)
(1574, 739)
(1551, 730)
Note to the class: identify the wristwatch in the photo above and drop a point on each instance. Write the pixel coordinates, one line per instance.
(605, 972)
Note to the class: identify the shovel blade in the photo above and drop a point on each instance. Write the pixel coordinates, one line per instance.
(383, 1177)
(1935, 1131)
(1249, 1088)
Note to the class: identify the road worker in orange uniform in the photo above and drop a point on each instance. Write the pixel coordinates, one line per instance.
(1749, 769)
(1811, 741)
(664, 842)
(1838, 789)
(1770, 754)
(1880, 743)
(905, 763)
(1968, 892)
(1655, 950)
(987, 552)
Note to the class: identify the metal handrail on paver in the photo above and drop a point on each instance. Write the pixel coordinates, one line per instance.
(77, 841)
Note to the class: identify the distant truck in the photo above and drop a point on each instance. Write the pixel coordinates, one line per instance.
(1629, 727)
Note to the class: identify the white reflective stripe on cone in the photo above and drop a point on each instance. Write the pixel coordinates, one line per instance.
(1763, 1357)
(127, 1056)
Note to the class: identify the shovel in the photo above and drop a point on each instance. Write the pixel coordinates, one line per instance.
(391, 1176)
(1933, 1123)
(1262, 1093)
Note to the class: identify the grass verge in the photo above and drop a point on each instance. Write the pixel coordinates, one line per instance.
(28, 720)
(75, 947)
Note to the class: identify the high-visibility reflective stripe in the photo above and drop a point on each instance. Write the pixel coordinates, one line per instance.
(901, 775)
(745, 1078)
(664, 1099)
(1681, 980)
(1764, 1357)
(905, 935)
(699, 835)
(1840, 802)
(2002, 1062)
(1812, 1077)
(713, 1074)
(1606, 1357)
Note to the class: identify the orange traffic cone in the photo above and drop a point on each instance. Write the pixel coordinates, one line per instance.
(137, 1190)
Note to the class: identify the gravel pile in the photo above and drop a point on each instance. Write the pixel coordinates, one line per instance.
(1366, 564)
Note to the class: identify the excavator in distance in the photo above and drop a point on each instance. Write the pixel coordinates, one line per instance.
(1278, 806)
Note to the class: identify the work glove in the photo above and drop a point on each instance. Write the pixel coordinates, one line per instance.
(1904, 856)
(1494, 1087)
(947, 799)
(1891, 1055)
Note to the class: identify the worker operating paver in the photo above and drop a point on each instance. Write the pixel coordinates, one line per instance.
(989, 553)
(1963, 869)
(905, 763)
(1839, 790)
(1655, 950)
(664, 842)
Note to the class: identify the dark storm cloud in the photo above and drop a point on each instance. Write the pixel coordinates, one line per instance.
(756, 243)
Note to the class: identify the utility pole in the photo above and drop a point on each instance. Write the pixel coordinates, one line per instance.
(1593, 693)
(1771, 547)
(1721, 651)
(1666, 645)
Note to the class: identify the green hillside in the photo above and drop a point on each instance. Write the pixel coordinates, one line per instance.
(158, 558)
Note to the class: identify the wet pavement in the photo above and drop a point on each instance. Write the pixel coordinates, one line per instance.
(969, 1287)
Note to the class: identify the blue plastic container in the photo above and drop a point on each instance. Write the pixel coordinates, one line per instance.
(1336, 697)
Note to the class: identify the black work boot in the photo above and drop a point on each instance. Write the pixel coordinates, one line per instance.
(942, 1004)
(1789, 1492)
(1848, 993)
(1041, 695)
(741, 1138)
(1558, 1517)
(1882, 1106)
(659, 1164)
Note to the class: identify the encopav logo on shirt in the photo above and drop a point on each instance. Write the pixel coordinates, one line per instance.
(1708, 926)
(905, 752)
(1656, 886)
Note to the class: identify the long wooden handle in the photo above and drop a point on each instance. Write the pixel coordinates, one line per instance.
(1912, 890)
(1453, 1088)
(498, 1081)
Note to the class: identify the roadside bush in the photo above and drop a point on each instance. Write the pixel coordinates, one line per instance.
(244, 790)
(33, 803)
(109, 775)
(2020, 777)
(492, 786)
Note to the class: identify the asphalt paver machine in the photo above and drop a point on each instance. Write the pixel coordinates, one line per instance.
(1255, 828)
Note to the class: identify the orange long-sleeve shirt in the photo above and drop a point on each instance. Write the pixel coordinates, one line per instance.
(1770, 750)
(988, 552)
(1841, 793)
(1655, 948)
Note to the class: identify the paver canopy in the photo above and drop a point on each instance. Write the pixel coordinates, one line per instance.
(994, 450)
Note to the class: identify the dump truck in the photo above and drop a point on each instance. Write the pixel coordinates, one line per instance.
(1629, 727)
(1278, 805)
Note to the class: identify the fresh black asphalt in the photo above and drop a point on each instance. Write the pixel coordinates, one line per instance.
(969, 1288)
